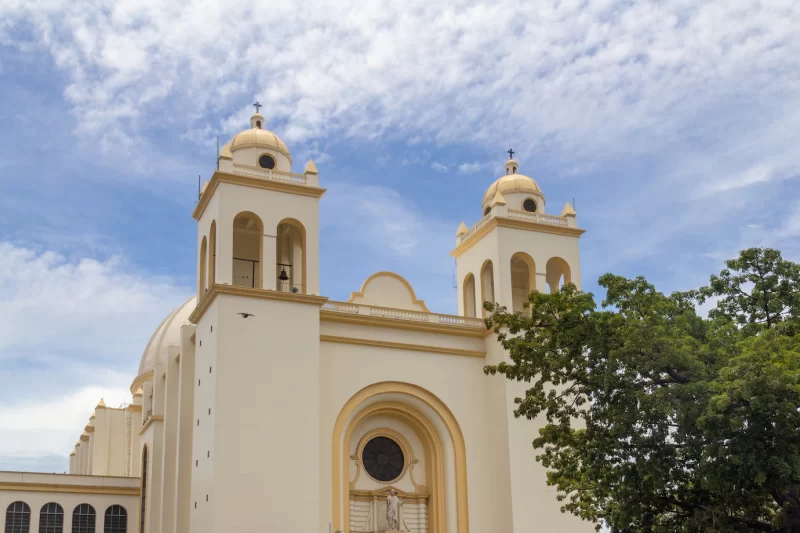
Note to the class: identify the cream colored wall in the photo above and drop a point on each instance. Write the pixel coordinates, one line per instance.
(109, 443)
(184, 461)
(210, 214)
(456, 380)
(203, 453)
(265, 415)
(471, 262)
(170, 428)
(33, 489)
(271, 207)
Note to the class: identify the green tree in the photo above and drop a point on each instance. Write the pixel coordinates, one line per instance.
(658, 419)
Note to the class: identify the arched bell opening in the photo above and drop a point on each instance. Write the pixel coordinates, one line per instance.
(291, 256)
(523, 280)
(212, 255)
(487, 283)
(201, 275)
(557, 274)
(469, 296)
(248, 232)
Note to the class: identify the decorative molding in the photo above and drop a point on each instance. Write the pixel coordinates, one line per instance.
(266, 294)
(134, 407)
(139, 381)
(353, 412)
(157, 418)
(256, 183)
(396, 323)
(503, 222)
(401, 346)
(74, 489)
(398, 277)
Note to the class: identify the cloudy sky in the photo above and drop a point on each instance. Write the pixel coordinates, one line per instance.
(672, 123)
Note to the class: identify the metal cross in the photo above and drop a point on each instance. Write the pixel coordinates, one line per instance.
(510, 153)
(257, 106)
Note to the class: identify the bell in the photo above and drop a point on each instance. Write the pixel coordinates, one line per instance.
(283, 276)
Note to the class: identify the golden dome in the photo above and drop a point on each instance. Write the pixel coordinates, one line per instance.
(257, 137)
(511, 183)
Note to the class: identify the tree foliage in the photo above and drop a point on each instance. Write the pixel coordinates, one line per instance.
(657, 419)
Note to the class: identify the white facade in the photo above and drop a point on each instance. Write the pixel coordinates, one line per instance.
(263, 406)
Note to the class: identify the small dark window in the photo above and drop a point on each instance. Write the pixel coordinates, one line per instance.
(201, 343)
(18, 518)
(529, 205)
(209, 410)
(198, 422)
(258, 124)
(51, 518)
(209, 370)
(208, 453)
(117, 520)
(197, 462)
(83, 519)
(266, 161)
(212, 329)
(206, 497)
(487, 211)
(198, 382)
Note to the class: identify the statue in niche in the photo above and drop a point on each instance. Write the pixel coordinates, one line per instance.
(393, 504)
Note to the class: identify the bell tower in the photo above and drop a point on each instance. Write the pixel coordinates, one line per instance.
(513, 249)
(258, 270)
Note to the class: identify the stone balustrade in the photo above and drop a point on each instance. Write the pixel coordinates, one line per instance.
(404, 314)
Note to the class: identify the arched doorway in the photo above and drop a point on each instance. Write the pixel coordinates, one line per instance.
(422, 428)
(523, 280)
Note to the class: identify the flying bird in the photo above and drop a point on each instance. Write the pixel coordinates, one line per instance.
(245, 315)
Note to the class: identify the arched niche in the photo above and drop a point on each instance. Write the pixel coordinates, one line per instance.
(557, 273)
(440, 438)
(201, 275)
(469, 296)
(290, 253)
(523, 280)
(248, 236)
(487, 282)
(212, 254)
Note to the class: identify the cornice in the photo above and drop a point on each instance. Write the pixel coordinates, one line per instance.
(156, 418)
(257, 183)
(401, 346)
(396, 323)
(265, 294)
(75, 489)
(503, 222)
(139, 381)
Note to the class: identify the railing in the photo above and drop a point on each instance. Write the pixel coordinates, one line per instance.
(540, 218)
(476, 227)
(255, 283)
(403, 314)
(269, 174)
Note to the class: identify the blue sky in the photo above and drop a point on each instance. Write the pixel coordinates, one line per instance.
(673, 124)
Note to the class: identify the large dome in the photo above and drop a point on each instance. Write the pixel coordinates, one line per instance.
(167, 334)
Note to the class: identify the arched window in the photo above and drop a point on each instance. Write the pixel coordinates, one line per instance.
(487, 282)
(248, 236)
(469, 295)
(201, 275)
(116, 520)
(290, 252)
(523, 280)
(83, 519)
(143, 506)
(18, 518)
(51, 518)
(557, 274)
(212, 254)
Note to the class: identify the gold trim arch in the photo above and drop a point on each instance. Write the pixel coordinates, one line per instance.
(395, 402)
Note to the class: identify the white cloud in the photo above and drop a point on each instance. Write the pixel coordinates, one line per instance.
(469, 168)
(438, 167)
(587, 75)
(100, 308)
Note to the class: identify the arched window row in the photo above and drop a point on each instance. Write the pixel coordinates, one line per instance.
(51, 519)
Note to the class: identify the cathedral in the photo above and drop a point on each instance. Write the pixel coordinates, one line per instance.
(262, 406)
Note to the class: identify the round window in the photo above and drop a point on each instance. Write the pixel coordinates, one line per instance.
(487, 211)
(529, 205)
(383, 459)
(266, 161)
